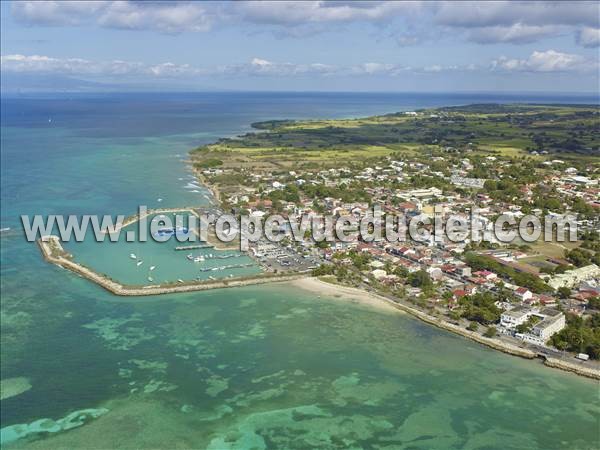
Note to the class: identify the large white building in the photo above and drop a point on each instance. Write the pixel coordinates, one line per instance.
(551, 321)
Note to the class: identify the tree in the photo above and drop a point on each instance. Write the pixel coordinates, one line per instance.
(564, 292)
(473, 326)
(490, 332)
(420, 278)
(594, 303)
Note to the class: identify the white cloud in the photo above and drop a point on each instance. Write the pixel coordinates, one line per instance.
(487, 22)
(548, 61)
(516, 22)
(56, 12)
(79, 66)
(178, 16)
(169, 18)
(256, 67)
(589, 37)
(506, 13)
(515, 34)
(259, 66)
(303, 12)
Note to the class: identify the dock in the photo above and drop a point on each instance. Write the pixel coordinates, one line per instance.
(194, 247)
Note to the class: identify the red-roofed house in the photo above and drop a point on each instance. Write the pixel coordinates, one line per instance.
(523, 293)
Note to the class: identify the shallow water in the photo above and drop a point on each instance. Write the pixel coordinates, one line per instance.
(267, 366)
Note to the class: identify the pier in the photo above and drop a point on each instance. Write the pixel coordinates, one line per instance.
(194, 247)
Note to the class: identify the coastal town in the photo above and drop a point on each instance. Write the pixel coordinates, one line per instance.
(532, 297)
(539, 295)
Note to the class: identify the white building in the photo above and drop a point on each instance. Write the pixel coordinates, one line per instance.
(572, 277)
(552, 322)
(515, 316)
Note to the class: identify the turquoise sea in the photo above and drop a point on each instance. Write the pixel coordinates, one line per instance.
(255, 367)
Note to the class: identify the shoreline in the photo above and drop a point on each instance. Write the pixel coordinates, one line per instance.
(360, 296)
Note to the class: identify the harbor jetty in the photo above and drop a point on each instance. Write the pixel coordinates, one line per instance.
(151, 212)
(53, 252)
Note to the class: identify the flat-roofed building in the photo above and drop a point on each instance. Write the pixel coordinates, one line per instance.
(515, 316)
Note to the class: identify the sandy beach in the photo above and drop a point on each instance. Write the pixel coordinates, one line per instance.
(348, 294)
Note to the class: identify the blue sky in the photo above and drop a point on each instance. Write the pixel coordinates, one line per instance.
(318, 45)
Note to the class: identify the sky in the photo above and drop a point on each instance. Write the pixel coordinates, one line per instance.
(299, 46)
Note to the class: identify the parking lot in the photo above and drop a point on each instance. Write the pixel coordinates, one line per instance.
(274, 257)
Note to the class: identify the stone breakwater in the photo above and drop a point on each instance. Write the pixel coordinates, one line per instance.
(53, 252)
(150, 212)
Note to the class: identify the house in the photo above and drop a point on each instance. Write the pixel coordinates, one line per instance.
(523, 293)
(435, 273)
(458, 294)
(486, 275)
(378, 274)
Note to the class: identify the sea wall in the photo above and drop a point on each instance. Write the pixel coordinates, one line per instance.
(571, 367)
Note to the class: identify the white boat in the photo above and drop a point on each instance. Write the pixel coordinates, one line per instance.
(139, 263)
(132, 256)
(180, 280)
(190, 257)
(159, 199)
(198, 259)
(150, 279)
(152, 267)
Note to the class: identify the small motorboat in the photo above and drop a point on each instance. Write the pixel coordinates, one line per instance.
(139, 263)
(132, 256)
(150, 279)
(152, 267)
(190, 257)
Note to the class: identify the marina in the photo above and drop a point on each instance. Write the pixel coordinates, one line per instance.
(134, 263)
